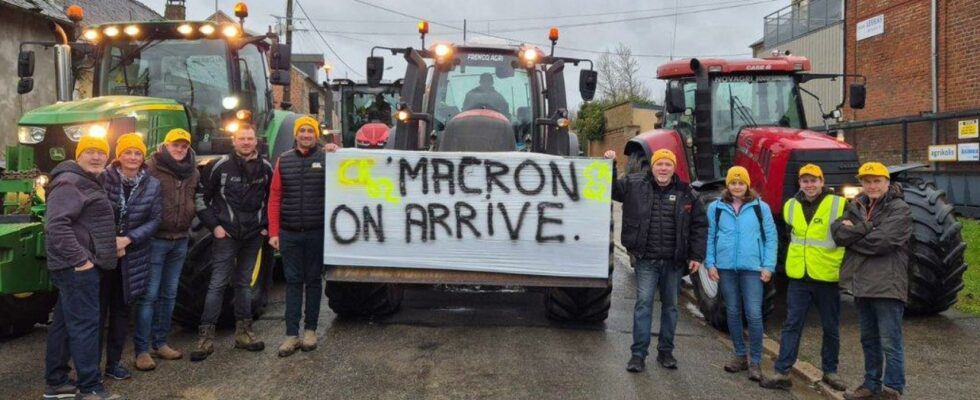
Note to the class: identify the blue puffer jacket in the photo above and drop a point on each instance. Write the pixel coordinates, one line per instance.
(142, 220)
(735, 242)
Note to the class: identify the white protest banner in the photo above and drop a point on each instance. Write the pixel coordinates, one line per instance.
(514, 212)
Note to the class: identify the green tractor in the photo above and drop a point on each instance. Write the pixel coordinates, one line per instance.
(147, 77)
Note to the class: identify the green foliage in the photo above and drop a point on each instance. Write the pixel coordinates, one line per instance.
(969, 298)
(590, 122)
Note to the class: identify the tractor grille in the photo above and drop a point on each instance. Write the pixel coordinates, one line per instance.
(839, 168)
(55, 148)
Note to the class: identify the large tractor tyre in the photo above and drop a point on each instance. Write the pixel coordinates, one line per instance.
(363, 299)
(196, 276)
(571, 304)
(18, 314)
(936, 258)
(711, 303)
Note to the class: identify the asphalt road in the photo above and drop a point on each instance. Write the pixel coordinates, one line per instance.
(442, 345)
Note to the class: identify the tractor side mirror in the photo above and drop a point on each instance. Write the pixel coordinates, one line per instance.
(314, 102)
(587, 81)
(25, 64)
(279, 77)
(858, 94)
(375, 70)
(675, 98)
(25, 85)
(280, 57)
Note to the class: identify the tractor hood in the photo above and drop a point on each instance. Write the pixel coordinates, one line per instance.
(779, 139)
(96, 109)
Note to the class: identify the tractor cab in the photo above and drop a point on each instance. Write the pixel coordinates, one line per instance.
(367, 113)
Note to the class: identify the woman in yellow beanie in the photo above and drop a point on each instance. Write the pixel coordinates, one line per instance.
(741, 256)
(135, 198)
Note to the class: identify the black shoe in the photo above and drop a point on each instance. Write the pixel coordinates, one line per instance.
(117, 372)
(636, 364)
(667, 360)
(65, 390)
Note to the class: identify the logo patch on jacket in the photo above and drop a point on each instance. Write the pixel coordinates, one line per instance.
(317, 165)
(672, 198)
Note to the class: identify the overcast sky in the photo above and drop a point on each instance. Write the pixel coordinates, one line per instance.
(352, 27)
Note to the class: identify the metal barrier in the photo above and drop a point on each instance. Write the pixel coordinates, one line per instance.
(798, 19)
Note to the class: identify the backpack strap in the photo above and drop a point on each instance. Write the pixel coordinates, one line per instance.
(758, 215)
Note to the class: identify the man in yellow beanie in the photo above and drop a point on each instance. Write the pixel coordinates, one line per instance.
(81, 247)
(667, 240)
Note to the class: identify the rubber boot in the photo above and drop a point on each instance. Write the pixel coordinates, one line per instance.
(245, 338)
(205, 344)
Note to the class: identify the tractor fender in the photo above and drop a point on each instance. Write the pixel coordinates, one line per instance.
(640, 148)
(899, 169)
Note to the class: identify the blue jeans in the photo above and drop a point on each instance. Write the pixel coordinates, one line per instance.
(800, 295)
(74, 330)
(302, 263)
(156, 307)
(881, 339)
(234, 261)
(652, 275)
(743, 291)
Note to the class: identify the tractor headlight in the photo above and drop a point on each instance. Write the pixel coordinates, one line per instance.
(41, 180)
(96, 129)
(850, 192)
(30, 134)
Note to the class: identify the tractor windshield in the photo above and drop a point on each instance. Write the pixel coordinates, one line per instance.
(484, 81)
(194, 72)
(740, 101)
(367, 105)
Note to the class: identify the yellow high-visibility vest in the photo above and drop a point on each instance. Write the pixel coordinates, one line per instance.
(812, 250)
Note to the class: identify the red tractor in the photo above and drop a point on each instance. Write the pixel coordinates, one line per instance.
(749, 112)
(366, 112)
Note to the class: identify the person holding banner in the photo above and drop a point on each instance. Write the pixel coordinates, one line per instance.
(664, 229)
(230, 201)
(296, 230)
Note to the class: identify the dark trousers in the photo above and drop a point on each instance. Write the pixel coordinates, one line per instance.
(114, 317)
(74, 330)
(302, 262)
(800, 295)
(652, 276)
(234, 261)
(881, 340)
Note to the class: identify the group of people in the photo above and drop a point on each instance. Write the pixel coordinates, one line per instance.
(860, 247)
(118, 235)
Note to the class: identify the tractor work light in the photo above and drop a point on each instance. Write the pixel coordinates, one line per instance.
(94, 129)
(243, 115)
(423, 27)
(111, 31)
(850, 192)
(132, 30)
(443, 50)
(206, 30)
(553, 34)
(564, 122)
(403, 115)
(185, 29)
(30, 134)
(241, 10)
(232, 127)
(230, 102)
(91, 35)
(529, 56)
(230, 31)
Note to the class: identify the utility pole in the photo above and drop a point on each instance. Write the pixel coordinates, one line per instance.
(464, 30)
(286, 103)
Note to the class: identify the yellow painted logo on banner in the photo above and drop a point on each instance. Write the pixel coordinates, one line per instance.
(376, 188)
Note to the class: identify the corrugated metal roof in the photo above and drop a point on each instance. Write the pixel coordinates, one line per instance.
(47, 8)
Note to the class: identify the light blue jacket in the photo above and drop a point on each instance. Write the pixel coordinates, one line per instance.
(735, 242)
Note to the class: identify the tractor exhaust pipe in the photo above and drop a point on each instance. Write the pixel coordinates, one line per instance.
(63, 83)
(704, 161)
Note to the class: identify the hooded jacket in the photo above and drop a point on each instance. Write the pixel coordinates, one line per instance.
(79, 224)
(735, 240)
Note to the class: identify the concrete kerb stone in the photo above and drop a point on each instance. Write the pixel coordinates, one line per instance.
(802, 370)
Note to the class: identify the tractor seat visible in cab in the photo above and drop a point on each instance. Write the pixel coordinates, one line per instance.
(478, 130)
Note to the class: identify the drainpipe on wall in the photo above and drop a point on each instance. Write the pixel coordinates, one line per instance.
(934, 59)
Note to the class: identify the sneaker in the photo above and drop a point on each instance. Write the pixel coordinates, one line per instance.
(737, 364)
(144, 362)
(99, 395)
(755, 373)
(889, 394)
(834, 381)
(636, 364)
(309, 340)
(289, 346)
(667, 360)
(778, 381)
(861, 393)
(117, 372)
(166, 352)
(65, 390)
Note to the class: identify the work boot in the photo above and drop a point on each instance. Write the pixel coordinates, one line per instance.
(834, 381)
(889, 394)
(778, 381)
(861, 393)
(666, 360)
(289, 346)
(309, 340)
(167, 353)
(755, 373)
(144, 362)
(63, 391)
(100, 395)
(636, 364)
(737, 364)
(205, 344)
(245, 338)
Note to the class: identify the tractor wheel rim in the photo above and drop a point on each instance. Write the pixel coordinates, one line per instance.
(708, 286)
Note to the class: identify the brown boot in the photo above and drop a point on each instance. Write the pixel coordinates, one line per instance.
(205, 344)
(144, 362)
(834, 381)
(245, 338)
(166, 352)
(737, 364)
(755, 373)
(861, 393)
(289, 346)
(889, 394)
(309, 341)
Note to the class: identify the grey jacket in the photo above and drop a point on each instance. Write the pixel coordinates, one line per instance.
(876, 259)
(80, 225)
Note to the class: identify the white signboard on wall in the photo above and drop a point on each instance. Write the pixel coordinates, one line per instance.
(942, 152)
(873, 26)
(969, 151)
(513, 212)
